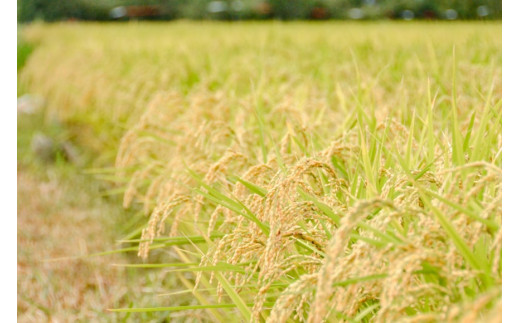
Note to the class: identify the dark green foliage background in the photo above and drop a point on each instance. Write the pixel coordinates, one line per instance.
(55, 10)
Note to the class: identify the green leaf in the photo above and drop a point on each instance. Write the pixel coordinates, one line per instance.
(489, 223)
(360, 279)
(179, 308)
(253, 188)
(178, 264)
(468, 132)
(177, 240)
(323, 207)
(219, 267)
(237, 300)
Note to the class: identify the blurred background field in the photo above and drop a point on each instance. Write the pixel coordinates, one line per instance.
(100, 78)
(155, 99)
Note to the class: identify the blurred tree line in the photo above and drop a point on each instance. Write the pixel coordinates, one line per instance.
(55, 10)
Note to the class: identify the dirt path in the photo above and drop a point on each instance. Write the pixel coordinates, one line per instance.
(58, 219)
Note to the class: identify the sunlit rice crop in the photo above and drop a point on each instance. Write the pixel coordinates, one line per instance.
(314, 172)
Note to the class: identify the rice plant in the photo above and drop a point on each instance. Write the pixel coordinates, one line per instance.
(296, 171)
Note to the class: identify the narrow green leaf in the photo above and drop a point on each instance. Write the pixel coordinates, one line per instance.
(384, 237)
(216, 268)
(180, 240)
(237, 300)
(489, 223)
(360, 279)
(323, 207)
(365, 312)
(457, 145)
(180, 308)
(468, 132)
(253, 188)
(178, 264)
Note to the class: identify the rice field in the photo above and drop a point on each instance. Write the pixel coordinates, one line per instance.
(287, 172)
